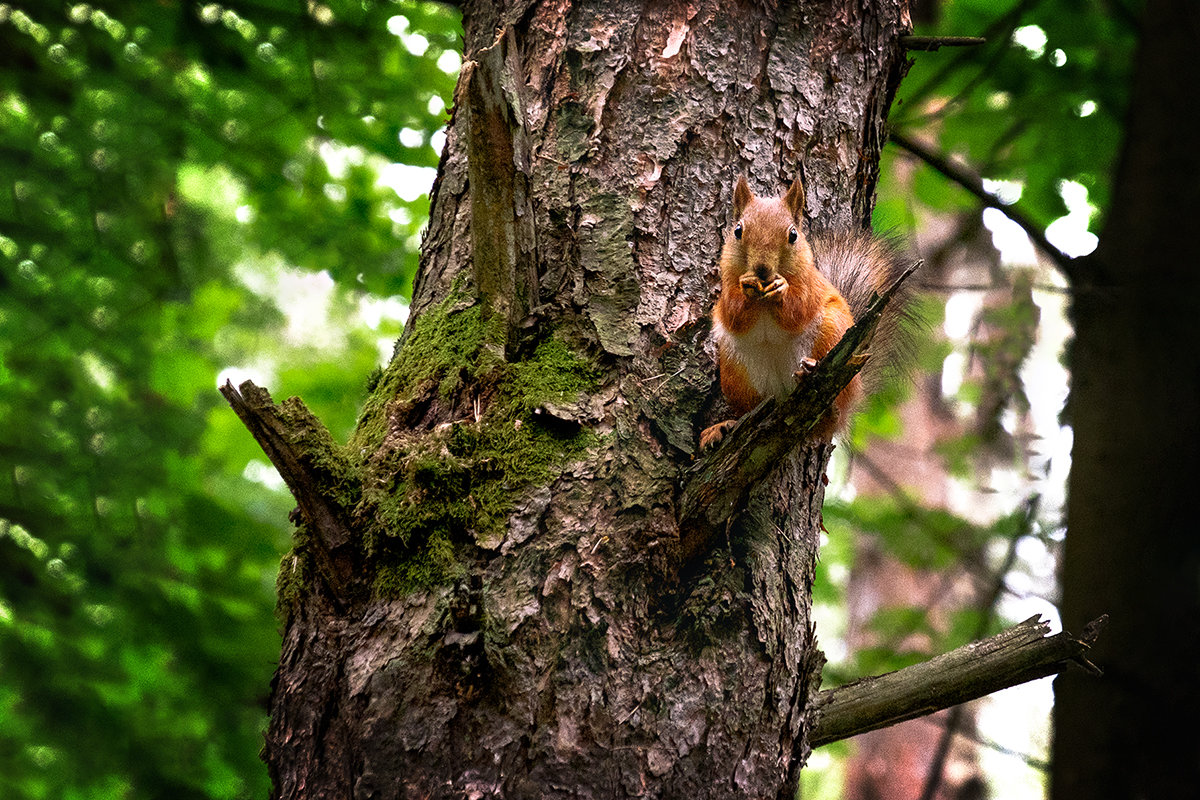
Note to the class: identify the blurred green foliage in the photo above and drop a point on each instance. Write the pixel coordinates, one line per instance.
(170, 173)
(1041, 102)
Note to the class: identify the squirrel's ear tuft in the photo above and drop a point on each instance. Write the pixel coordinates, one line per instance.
(794, 200)
(741, 197)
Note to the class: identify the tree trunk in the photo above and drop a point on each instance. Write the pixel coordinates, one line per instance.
(1131, 548)
(488, 596)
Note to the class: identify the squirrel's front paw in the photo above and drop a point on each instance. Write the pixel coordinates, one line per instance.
(751, 286)
(711, 436)
(774, 289)
(807, 365)
(754, 287)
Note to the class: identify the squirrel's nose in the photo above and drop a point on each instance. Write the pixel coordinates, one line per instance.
(762, 272)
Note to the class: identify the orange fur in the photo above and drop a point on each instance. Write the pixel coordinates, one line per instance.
(776, 308)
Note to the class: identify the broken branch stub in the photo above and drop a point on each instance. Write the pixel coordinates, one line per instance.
(314, 469)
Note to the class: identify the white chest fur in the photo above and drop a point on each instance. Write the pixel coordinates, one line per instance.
(770, 354)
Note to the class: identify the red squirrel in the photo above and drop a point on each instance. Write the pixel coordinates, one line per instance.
(787, 298)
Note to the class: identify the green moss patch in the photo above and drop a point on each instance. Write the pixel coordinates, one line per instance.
(433, 564)
(442, 495)
(444, 347)
(555, 374)
(430, 501)
(295, 574)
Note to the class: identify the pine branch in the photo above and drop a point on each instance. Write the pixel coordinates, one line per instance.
(721, 481)
(1020, 654)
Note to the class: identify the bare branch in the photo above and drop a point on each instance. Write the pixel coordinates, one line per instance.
(932, 43)
(1000, 31)
(1022, 653)
(974, 184)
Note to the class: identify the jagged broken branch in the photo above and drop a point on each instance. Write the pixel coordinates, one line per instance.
(1020, 654)
(721, 481)
(314, 469)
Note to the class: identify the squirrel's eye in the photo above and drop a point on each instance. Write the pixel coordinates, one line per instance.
(792, 235)
(737, 230)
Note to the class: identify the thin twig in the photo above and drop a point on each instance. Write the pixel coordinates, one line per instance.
(932, 43)
(937, 766)
(950, 288)
(999, 31)
(1031, 761)
(974, 184)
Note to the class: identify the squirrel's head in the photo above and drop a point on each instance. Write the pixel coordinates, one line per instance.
(767, 238)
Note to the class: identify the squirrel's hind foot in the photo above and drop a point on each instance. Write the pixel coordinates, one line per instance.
(711, 436)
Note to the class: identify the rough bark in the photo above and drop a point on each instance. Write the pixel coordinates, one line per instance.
(523, 623)
(1131, 548)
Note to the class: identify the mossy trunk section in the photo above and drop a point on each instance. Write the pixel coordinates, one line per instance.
(523, 624)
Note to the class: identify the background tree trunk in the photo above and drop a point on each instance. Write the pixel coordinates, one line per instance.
(1131, 548)
(488, 600)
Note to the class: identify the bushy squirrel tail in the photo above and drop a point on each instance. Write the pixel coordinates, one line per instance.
(860, 265)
